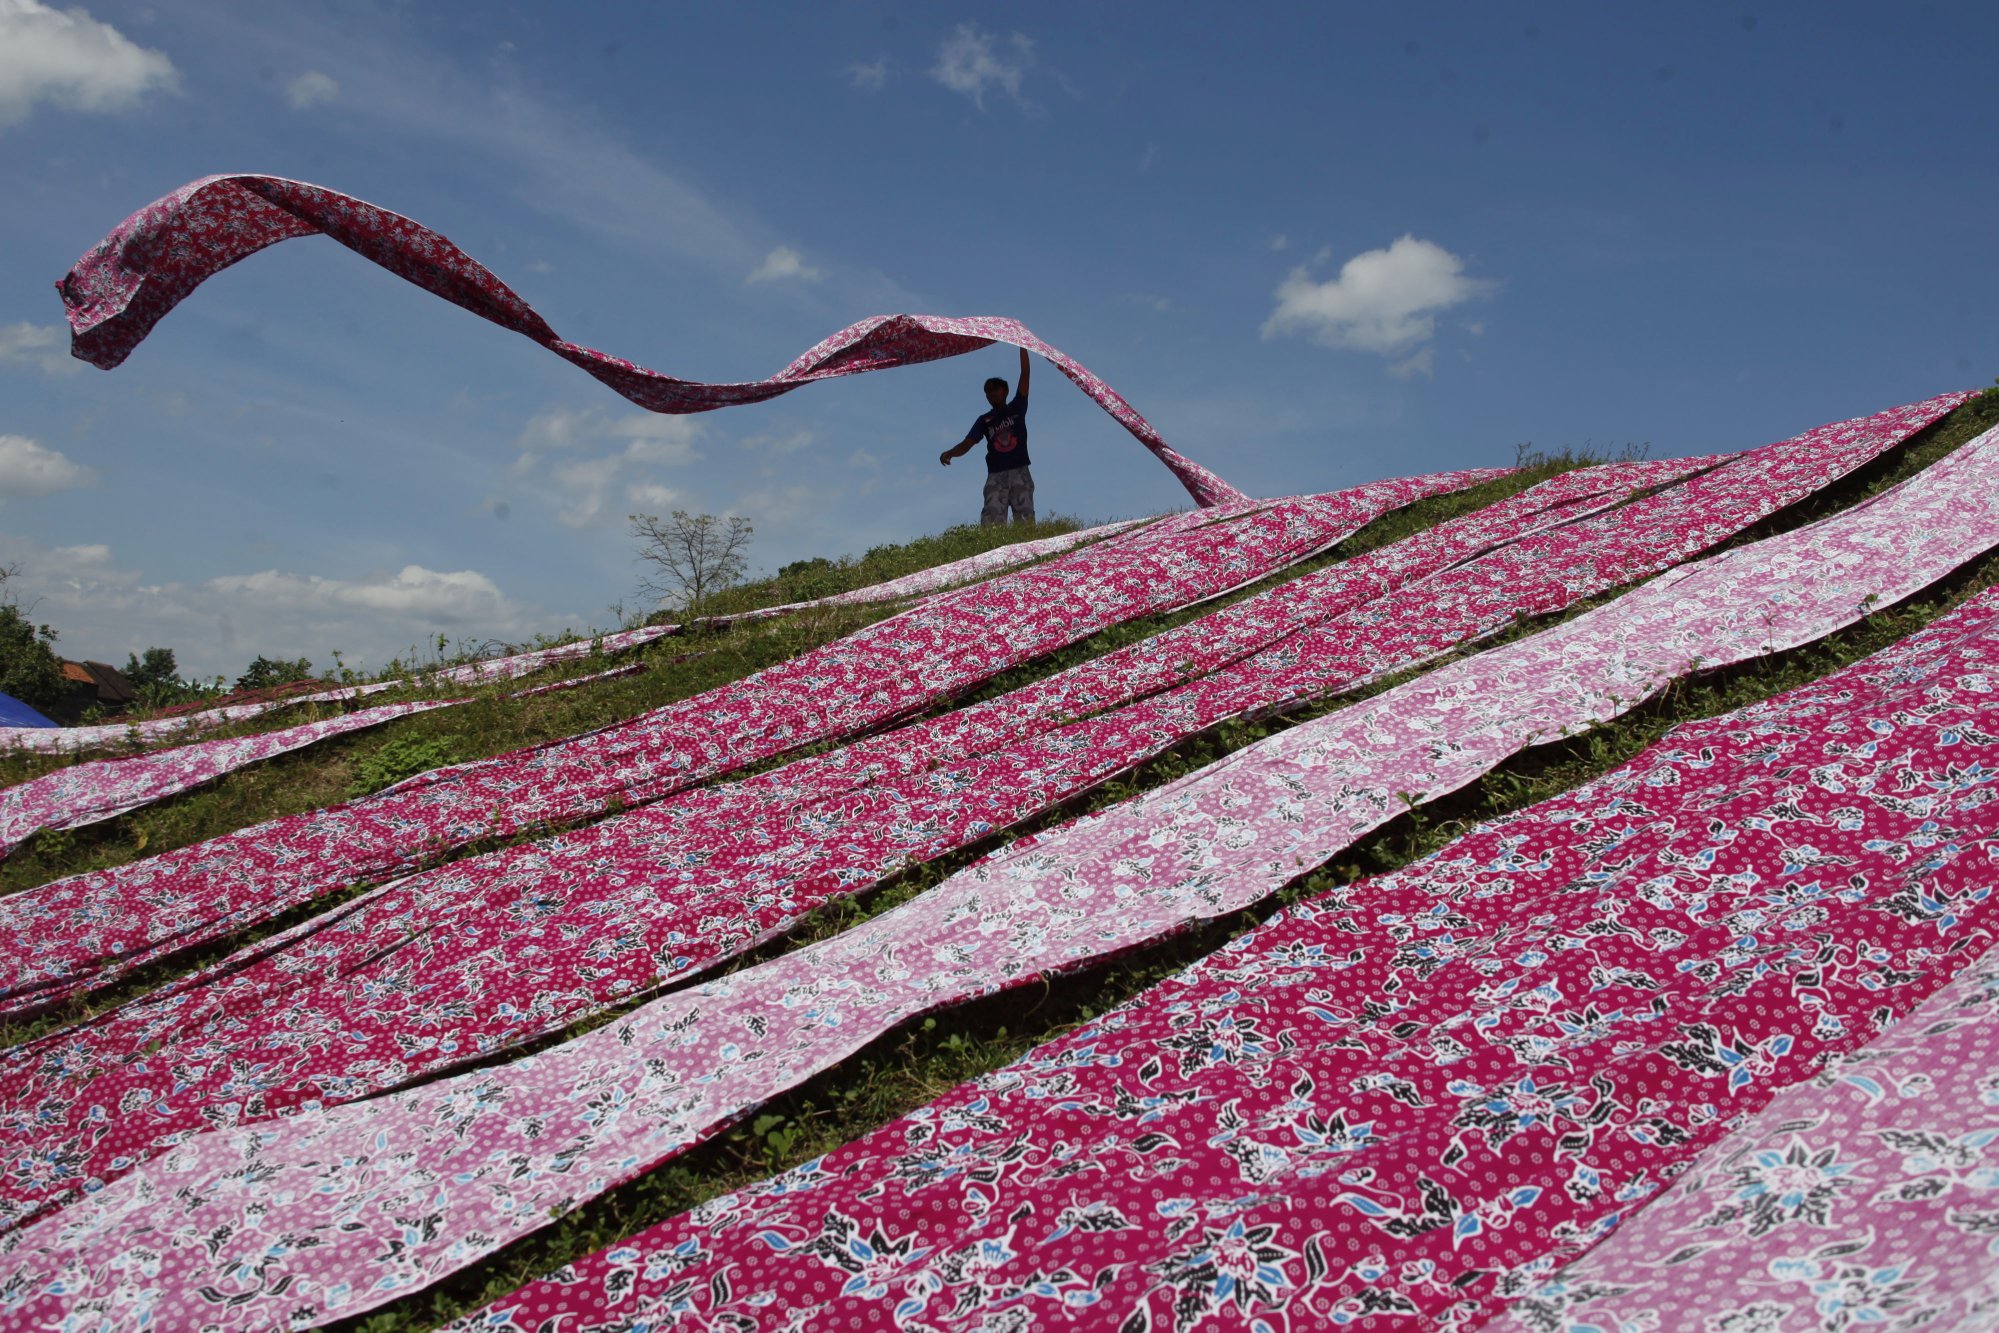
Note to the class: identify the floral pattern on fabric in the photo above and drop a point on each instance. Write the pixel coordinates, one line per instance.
(1393, 1098)
(613, 912)
(547, 933)
(154, 259)
(1865, 1196)
(106, 788)
(484, 1156)
(85, 930)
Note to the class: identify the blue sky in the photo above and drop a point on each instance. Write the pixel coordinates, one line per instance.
(1315, 245)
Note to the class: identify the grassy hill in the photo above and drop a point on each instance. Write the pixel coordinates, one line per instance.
(912, 1065)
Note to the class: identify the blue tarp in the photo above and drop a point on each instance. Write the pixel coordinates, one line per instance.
(14, 713)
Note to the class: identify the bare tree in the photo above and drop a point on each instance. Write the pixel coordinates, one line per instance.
(690, 557)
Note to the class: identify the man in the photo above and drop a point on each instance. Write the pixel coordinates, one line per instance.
(1009, 485)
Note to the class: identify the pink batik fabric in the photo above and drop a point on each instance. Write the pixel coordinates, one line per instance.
(727, 866)
(87, 929)
(459, 1167)
(128, 281)
(106, 788)
(1864, 1197)
(1392, 1097)
(495, 951)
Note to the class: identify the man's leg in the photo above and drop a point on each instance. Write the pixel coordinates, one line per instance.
(1022, 498)
(994, 509)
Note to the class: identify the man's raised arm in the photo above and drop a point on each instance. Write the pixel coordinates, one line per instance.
(1020, 393)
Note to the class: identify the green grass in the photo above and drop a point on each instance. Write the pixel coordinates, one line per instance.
(918, 1061)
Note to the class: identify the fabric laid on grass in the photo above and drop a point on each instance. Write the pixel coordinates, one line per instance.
(103, 789)
(512, 667)
(106, 788)
(921, 583)
(64, 937)
(377, 1198)
(118, 291)
(1391, 1097)
(503, 947)
(1866, 1196)
(498, 950)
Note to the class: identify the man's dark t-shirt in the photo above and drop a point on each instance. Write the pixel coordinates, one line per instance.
(1004, 430)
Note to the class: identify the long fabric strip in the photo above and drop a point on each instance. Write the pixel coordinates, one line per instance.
(106, 788)
(1389, 1099)
(122, 287)
(1866, 1196)
(493, 952)
(456, 1168)
(516, 665)
(501, 948)
(65, 936)
(91, 793)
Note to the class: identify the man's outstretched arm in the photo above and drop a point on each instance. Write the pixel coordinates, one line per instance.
(958, 450)
(1026, 367)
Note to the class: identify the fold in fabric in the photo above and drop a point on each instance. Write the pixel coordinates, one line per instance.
(504, 947)
(512, 667)
(128, 281)
(488, 953)
(90, 793)
(1380, 1104)
(60, 938)
(334, 1212)
(1867, 1195)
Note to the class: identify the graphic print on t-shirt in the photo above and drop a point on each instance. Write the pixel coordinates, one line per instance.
(1005, 432)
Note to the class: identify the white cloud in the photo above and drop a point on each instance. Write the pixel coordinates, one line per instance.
(465, 597)
(871, 77)
(67, 58)
(971, 63)
(43, 346)
(215, 626)
(28, 471)
(563, 452)
(310, 89)
(783, 262)
(1280, 242)
(1422, 363)
(1382, 301)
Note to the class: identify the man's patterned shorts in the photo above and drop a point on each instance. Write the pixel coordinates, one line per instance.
(1013, 489)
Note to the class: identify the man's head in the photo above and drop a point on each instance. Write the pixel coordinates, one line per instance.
(996, 391)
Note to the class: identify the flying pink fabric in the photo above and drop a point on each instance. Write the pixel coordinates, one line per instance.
(87, 929)
(1867, 1196)
(379, 1197)
(128, 281)
(1385, 1102)
(495, 950)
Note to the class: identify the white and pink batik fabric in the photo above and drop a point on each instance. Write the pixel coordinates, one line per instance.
(612, 912)
(458, 1167)
(86, 929)
(106, 788)
(1392, 1099)
(635, 900)
(128, 281)
(1864, 1197)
